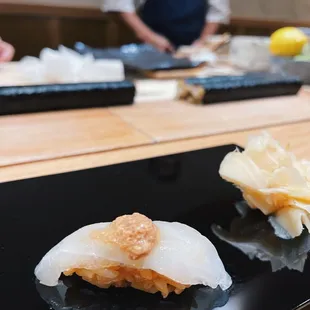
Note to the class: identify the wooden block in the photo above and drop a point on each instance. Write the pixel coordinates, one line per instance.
(302, 8)
(279, 10)
(65, 3)
(27, 34)
(250, 9)
(84, 30)
(169, 120)
(175, 74)
(42, 136)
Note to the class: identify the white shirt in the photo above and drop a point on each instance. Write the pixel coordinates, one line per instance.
(219, 10)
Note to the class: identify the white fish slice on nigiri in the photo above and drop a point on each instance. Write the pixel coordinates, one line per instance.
(135, 251)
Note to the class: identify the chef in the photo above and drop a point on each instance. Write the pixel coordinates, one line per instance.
(167, 24)
(6, 51)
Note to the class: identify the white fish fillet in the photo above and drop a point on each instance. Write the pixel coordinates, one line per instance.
(182, 254)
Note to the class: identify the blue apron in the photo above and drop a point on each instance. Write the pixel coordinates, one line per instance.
(180, 21)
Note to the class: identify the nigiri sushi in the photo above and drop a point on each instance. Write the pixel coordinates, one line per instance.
(273, 181)
(135, 251)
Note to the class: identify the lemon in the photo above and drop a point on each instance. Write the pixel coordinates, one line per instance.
(287, 41)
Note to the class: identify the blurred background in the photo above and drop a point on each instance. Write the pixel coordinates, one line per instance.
(31, 25)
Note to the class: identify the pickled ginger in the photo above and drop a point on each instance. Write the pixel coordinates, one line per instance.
(274, 181)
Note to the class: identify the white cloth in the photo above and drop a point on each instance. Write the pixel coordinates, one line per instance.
(219, 10)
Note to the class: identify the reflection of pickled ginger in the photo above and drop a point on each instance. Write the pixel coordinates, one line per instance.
(273, 181)
(253, 235)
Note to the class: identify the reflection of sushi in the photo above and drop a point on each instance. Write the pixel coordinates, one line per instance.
(75, 294)
(134, 251)
(273, 181)
(253, 235)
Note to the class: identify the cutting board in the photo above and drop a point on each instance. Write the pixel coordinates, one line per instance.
(175, 74)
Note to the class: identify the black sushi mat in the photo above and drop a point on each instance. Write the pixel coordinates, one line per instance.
(140, 57)
(43, 98)
(37, 213)
(249, 86)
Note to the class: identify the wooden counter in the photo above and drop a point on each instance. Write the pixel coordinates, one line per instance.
(44, 136)
(296, 135)
(49, 143)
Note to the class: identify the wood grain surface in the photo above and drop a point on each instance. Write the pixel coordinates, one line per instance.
(175, 74)
(52, 135)
(90, 11)
(41, 136)
(44, 143)
(170, 120)
(40, 10)
(294, 135)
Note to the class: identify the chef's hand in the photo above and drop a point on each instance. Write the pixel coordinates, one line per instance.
(145, 33)
(199, 43)
(209, 29)
(6, 51)
(160, 42)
